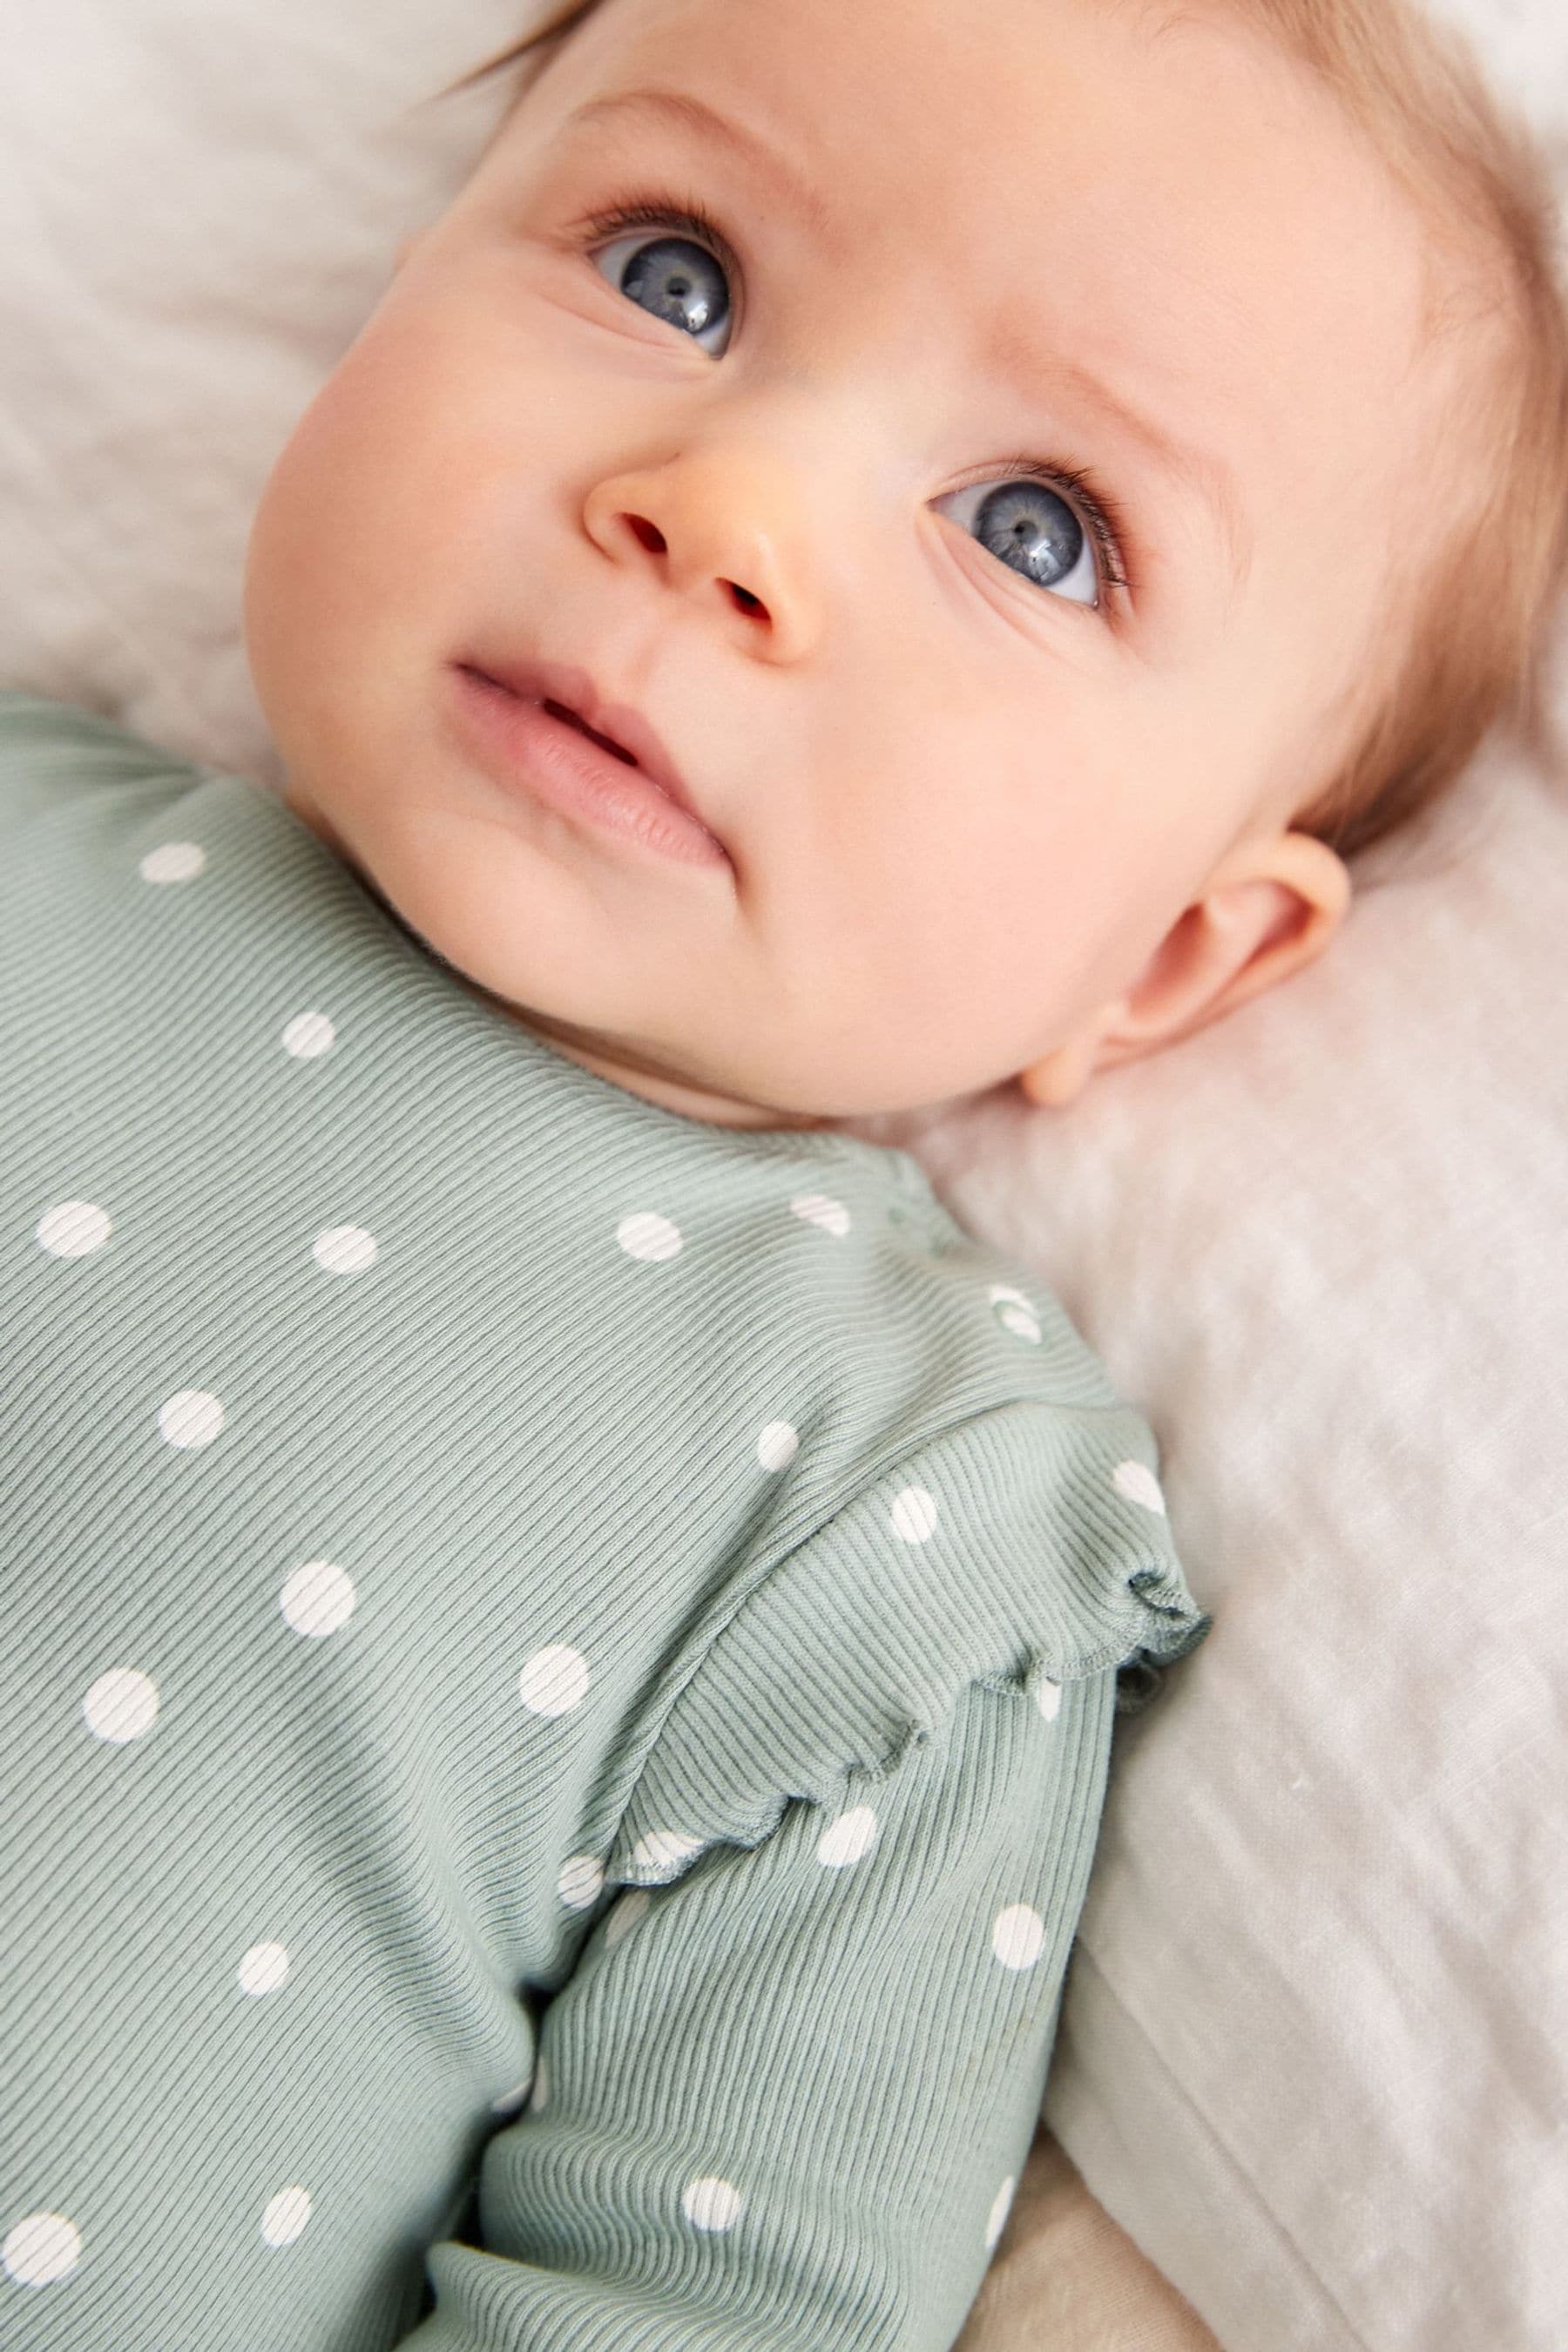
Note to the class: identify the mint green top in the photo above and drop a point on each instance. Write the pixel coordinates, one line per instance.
(559, 1659)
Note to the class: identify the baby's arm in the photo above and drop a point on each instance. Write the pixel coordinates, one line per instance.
(1068, 2279)
(782, 2102)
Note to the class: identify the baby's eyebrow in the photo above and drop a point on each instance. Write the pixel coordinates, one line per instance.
(685, 112)
(1013, 354)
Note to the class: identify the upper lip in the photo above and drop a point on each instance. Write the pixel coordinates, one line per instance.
(563, 682)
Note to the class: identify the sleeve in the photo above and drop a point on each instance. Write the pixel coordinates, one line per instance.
(784, 2099)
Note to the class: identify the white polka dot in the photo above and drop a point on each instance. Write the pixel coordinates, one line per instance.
(1049, 1697)
(540, 2095)
(41, 2247)
(996, 2221)
(913, 1516)
(625, 1916)
(344, 1249)
(317, 1598)
(176, 861)
(73, 1229)
(1014, 1314)
(263, 1969)
(309, 1035)
(122, 1704)
(190, 1418)
(648, 1235)
(661, 1847)
(1018, 1936)
(581, 1879)
(711, 2204)
(512, 2102)
(777, 1445)
(1138, 1485)
(285, 2217)
(554, 1680)
(845, 1840)
(821, 1209)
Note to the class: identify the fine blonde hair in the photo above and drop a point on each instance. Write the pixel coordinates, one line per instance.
(1468, 648)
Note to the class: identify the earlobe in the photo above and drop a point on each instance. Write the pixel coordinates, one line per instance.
(1056, 1078)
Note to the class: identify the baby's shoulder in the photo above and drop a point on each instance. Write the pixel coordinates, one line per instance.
(967, 1494)
(41, 733)
(924, 1338)
(979, 1506)
(63, 766)
(1022, 1548)
(990, 1330)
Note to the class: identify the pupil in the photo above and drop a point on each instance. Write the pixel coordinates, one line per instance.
(667, 285)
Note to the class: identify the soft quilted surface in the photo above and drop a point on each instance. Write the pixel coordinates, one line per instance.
(1314, 2052)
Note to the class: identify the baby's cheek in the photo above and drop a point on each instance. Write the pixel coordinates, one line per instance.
(350, 550)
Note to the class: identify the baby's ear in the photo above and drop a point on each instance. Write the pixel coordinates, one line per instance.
(1267, 908)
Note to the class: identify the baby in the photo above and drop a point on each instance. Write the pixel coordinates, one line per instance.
(564, 1622)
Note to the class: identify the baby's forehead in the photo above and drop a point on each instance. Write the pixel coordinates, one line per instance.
(1005, 128)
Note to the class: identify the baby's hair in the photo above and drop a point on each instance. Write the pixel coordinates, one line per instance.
(1468, 648)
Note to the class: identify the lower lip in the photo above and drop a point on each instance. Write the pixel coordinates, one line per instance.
(526, 749)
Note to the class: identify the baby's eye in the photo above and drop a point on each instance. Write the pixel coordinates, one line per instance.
(1032, 529)
(672, 278)
(677, 266)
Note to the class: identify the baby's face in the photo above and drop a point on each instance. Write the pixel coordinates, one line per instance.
(799, 489)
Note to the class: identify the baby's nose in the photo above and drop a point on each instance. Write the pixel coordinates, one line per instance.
(653, 539)
(726, 528)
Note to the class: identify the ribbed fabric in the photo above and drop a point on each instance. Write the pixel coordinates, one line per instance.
(559, 1659)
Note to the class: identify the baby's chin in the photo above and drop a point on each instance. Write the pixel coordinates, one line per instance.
(297, 801)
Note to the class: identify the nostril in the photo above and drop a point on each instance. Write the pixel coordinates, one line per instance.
(648, 535)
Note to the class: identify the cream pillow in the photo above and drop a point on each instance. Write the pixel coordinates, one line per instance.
(1312, 2053)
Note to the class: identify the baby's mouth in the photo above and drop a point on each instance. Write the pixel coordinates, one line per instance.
(606, 742)
(544, 697)
(566, 693)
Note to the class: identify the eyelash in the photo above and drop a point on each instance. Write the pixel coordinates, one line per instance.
(1104, 515)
